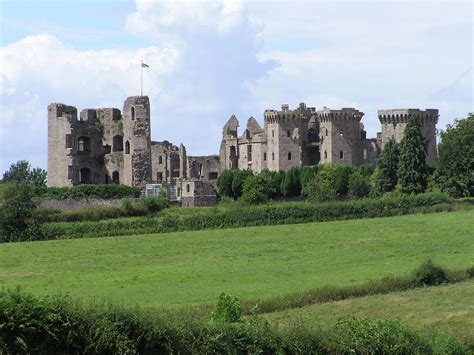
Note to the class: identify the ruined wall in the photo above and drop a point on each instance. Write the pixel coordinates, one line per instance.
(394, 122)
(205, 168)
(197, 193)
(229, 149)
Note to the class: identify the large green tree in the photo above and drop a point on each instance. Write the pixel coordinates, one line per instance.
(412, 169)
(387, 168)
(455, 167)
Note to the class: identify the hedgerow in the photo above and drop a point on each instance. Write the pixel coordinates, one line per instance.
(243, 216)
(89, 191)
(46, 325)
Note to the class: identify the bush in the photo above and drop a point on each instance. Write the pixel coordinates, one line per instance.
(341, 179)
(258, 189)
(359, 186)
(245, 215)
(228, 309)
(429, 274)
(224, 183)
(58, 325)
(238, 181)
(323, 187)
(91, 191)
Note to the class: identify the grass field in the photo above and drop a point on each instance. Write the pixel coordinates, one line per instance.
(194, 267)
(450, 307)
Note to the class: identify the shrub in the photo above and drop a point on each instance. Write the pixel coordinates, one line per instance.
(224, 183)
(323, 187)
(359, 187)
(290, 185)
(91, 191)
(342, 174)
(228, 309)
(258, 189)
(154, 204)
(429, 274)
(238, 181)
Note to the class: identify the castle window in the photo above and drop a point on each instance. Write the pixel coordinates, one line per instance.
(70, 172)
(341, 133)
(213, 175)
(289, 156)
(68, 140)
(288, 133)
(159, 176)
(160, 160)
(116, 177)
(326, 132)
(127, 147)
(341, 154)
(249, 153)
(106, 178)
(188, 188)
(365, 153)
(84, 144)
(273, 156)
(273, 133)
(264, 156)
(325, 154)
(117, 143)
(132, 113)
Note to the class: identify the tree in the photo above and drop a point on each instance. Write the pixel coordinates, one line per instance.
(359, 186)
(21, 172)
(412, 169)
(224, 183)
(290, 185)
(387, 168)
(323, 187)
(238, 181)
(16, 212)
(258, 189)
(342, 175)
(454, 172)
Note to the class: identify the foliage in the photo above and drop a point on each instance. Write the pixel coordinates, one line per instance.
(238, 181)
(16, 212)
(341, 179)
(243, 216)
(322, 188)
(60, 325)
(90, 191)
(455, 166)
(359, 186)
(21, 172)
(258, 189)
(429, 274)
(228, 309)
(412, 169)
(291, 185)
(387, 168)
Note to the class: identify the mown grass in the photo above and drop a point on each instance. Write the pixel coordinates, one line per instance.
(446, 306)
(254, 263)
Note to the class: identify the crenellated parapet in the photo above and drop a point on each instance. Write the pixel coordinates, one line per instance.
(301, 113)
(347, 113)
(403, 115)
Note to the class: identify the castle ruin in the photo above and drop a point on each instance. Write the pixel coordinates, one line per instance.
(109, 146)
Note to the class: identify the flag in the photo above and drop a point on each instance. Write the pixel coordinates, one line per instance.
(145, 65)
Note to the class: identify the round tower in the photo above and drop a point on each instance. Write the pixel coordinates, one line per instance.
(394, 122)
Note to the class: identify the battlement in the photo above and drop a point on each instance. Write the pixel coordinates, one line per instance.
(404, 114)
(300, 113)
(346, 113)
(56, 110)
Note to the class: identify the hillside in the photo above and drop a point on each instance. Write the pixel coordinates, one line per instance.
(257, 262)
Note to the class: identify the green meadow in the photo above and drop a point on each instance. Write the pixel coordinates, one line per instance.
(189, 268)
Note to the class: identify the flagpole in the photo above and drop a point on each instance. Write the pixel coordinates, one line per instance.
(141, 78)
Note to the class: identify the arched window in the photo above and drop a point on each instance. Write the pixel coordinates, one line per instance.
(127, 147)
(117, 143)
(116, 177)
(325, 154)
(85, 176)
(84, 144)
(132, 113)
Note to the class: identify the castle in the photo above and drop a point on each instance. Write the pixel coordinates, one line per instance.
(107, 146)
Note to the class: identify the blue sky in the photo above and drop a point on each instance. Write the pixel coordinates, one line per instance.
(211, 59)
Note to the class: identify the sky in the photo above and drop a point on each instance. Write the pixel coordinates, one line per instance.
(212, 59)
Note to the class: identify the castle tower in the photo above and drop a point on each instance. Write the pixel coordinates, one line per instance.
(61, 171)
(287, 134)
(229, 150)
(395, 121)
(340, 135)
(137, 141)
(183, 159)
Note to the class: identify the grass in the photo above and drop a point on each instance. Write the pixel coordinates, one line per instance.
(257, 262)
(449, 306)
